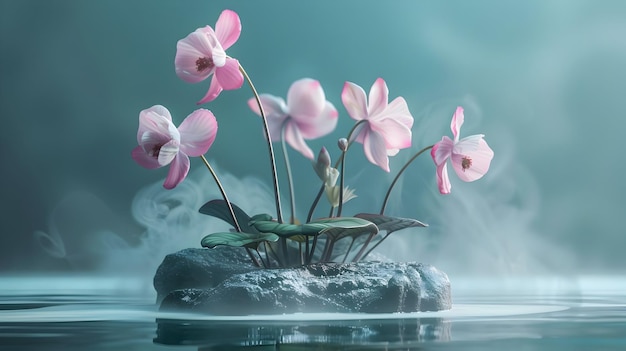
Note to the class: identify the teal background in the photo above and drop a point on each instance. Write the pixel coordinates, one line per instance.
(543, 80)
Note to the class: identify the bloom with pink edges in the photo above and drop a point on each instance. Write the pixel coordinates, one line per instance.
(387, 127)
(470, 156)
(202, 54)
(162, 144)
(305, 115)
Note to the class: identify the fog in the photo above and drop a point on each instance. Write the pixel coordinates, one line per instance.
(543, 80)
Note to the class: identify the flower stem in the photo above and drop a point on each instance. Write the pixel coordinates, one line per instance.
(342, 159)
(279, 215)
(341, 181)
(228, 204)
(314, 204)
(382, 209)
(289, 177)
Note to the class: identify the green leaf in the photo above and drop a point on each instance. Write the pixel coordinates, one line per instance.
(390, 224)
(335, 228)
(218, 209)
(236, 239)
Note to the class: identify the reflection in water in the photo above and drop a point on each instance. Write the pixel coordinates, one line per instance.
(305, 335)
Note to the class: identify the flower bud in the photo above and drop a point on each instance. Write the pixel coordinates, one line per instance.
(343, 144)
(321, 165)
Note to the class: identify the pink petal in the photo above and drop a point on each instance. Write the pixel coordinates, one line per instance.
(354, 100)
(442, 150)
(229, 75)
(395, 134)
(272, 105)
(305, 99)
(214, 91)
(143, 159)
(275, 112)
(156, 119)
(294, 138)
(457, 122)
(178, 171)
(398, 110)
(228, 28)
(199, 44)
(443, 181)
(322, 125)
(378, 97)
(375, 150)
(168, 152)
(476, 154)
(197, 132)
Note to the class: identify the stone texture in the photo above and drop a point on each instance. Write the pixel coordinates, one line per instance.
(223, 282)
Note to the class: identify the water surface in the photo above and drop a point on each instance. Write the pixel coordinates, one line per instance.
(95, 318)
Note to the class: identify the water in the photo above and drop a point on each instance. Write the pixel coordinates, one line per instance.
(100, 314)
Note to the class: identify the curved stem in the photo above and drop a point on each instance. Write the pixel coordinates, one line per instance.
(289, 177)
(341, 181)
(224, 196)
(279, 215)
(314, 204)
(382, 209)
(228, 204)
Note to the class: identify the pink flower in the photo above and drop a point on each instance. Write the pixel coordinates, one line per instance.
(202, 53)
(306, 115)
(470, 156)
(387, 127)
(161, 144)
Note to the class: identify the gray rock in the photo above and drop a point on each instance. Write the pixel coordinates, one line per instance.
(199, 268)
(224, 282)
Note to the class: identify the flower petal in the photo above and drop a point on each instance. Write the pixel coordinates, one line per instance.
(197, 45)
(322, 124)
(477, 156)
(294, 138)
(156, 119)
(214, 91)
(457, 122)
(197, 132)
(143, 159)
(305, 99)
(168, 152)
(395, 134)
(378, 97)
(178, 171)
(229, 75)
(375, 149)
(228, 28)
(398, 110)
(442, 150)
(354, 100)
(272, 105)
(443, 181)
(275, 111)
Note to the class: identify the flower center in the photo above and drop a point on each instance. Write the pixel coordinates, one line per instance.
(154, 151)
(203, 63)
(466, 162)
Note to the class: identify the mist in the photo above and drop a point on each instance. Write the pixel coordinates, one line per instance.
(542, 80)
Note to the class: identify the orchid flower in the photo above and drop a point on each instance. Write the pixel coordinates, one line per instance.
(470, 156)
(202, 54)
(162, 144)
(387, 127)
(305, 115)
